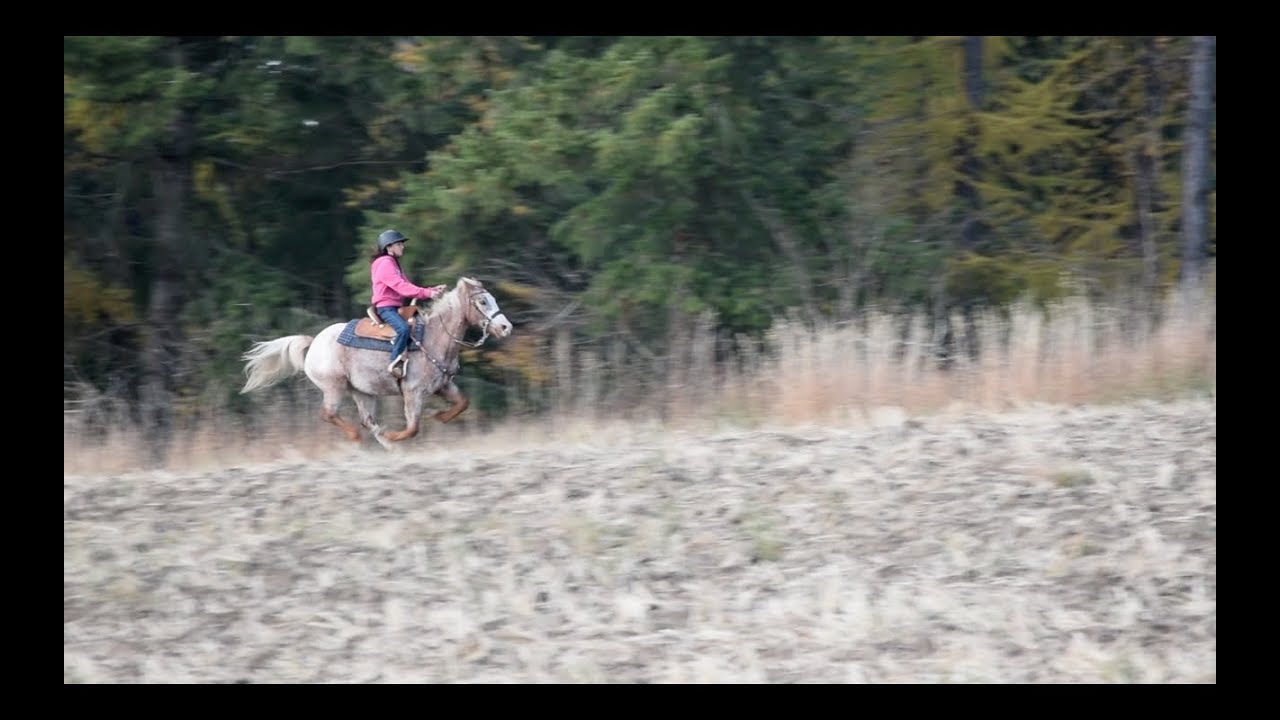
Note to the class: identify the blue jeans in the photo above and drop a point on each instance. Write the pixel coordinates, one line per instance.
(391, 316)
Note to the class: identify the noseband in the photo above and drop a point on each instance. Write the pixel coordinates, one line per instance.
(481, 302)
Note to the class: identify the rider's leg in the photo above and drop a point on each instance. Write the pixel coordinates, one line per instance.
(391, 317)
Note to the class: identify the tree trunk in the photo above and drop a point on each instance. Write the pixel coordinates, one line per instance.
(772, 220)
(965, 188)
(171, 179)
(1195, 162)
(973, 70)
(165, 301)
(1145, 167)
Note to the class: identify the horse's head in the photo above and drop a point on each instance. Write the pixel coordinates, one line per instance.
(480, 309)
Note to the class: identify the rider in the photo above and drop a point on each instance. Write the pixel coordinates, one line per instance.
(391, 289)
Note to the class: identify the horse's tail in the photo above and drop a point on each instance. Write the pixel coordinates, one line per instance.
(271, 361)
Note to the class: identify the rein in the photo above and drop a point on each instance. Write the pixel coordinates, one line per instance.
(483, 328)
(447, 372)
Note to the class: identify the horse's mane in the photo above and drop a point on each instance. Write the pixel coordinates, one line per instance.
(451, 300)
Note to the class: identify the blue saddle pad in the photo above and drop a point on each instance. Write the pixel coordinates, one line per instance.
(348, 337)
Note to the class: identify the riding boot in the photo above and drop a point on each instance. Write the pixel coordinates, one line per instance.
(397, 366)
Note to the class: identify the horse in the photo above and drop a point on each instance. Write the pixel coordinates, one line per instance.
(341, 359)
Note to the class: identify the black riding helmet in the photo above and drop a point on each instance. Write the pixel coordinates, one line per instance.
(389, 237)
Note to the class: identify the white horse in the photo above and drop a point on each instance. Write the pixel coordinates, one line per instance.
(338, 369)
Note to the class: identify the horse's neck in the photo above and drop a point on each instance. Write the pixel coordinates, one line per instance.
(447, 324)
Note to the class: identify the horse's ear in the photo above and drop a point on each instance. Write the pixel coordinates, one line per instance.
(469, 280)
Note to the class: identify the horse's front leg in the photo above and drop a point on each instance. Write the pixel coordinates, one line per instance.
(412, 413)
(457, 402)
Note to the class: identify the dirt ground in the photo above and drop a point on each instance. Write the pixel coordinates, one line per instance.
(1043, 545)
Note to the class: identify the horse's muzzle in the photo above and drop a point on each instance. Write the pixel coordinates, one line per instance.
(500, 326)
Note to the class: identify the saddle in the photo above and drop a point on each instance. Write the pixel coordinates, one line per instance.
(373, 328)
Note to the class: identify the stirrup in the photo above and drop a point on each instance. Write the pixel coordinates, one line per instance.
(398, 366)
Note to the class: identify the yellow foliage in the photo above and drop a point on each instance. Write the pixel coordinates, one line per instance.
(411, 56)
(95, 124)
(1006, 278)
(365, 195)
(84, 299)
(202, 179)
(522, 354)
(208, 188)
(995, 48)
(1028, 131)
(997, 192)
(519, 291)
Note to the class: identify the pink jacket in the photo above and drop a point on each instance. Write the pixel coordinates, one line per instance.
(389, 286)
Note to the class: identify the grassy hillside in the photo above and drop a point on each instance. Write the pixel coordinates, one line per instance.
(1047, 544)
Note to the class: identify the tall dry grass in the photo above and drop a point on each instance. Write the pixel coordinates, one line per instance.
(1073, 351)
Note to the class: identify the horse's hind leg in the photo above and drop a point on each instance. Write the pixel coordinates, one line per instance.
(458, 402)
(368, 407)
(329, 413)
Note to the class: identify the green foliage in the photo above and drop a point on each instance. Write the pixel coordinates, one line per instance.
(245, 301)
(86, 300)
(95, 315)
(621, 185)
(1004, 279)
(637, 169)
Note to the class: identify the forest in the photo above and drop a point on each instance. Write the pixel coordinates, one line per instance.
(625, 198)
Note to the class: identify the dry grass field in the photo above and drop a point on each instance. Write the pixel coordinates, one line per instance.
(836, 510)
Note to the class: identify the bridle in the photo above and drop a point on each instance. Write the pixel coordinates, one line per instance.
(488, 307)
